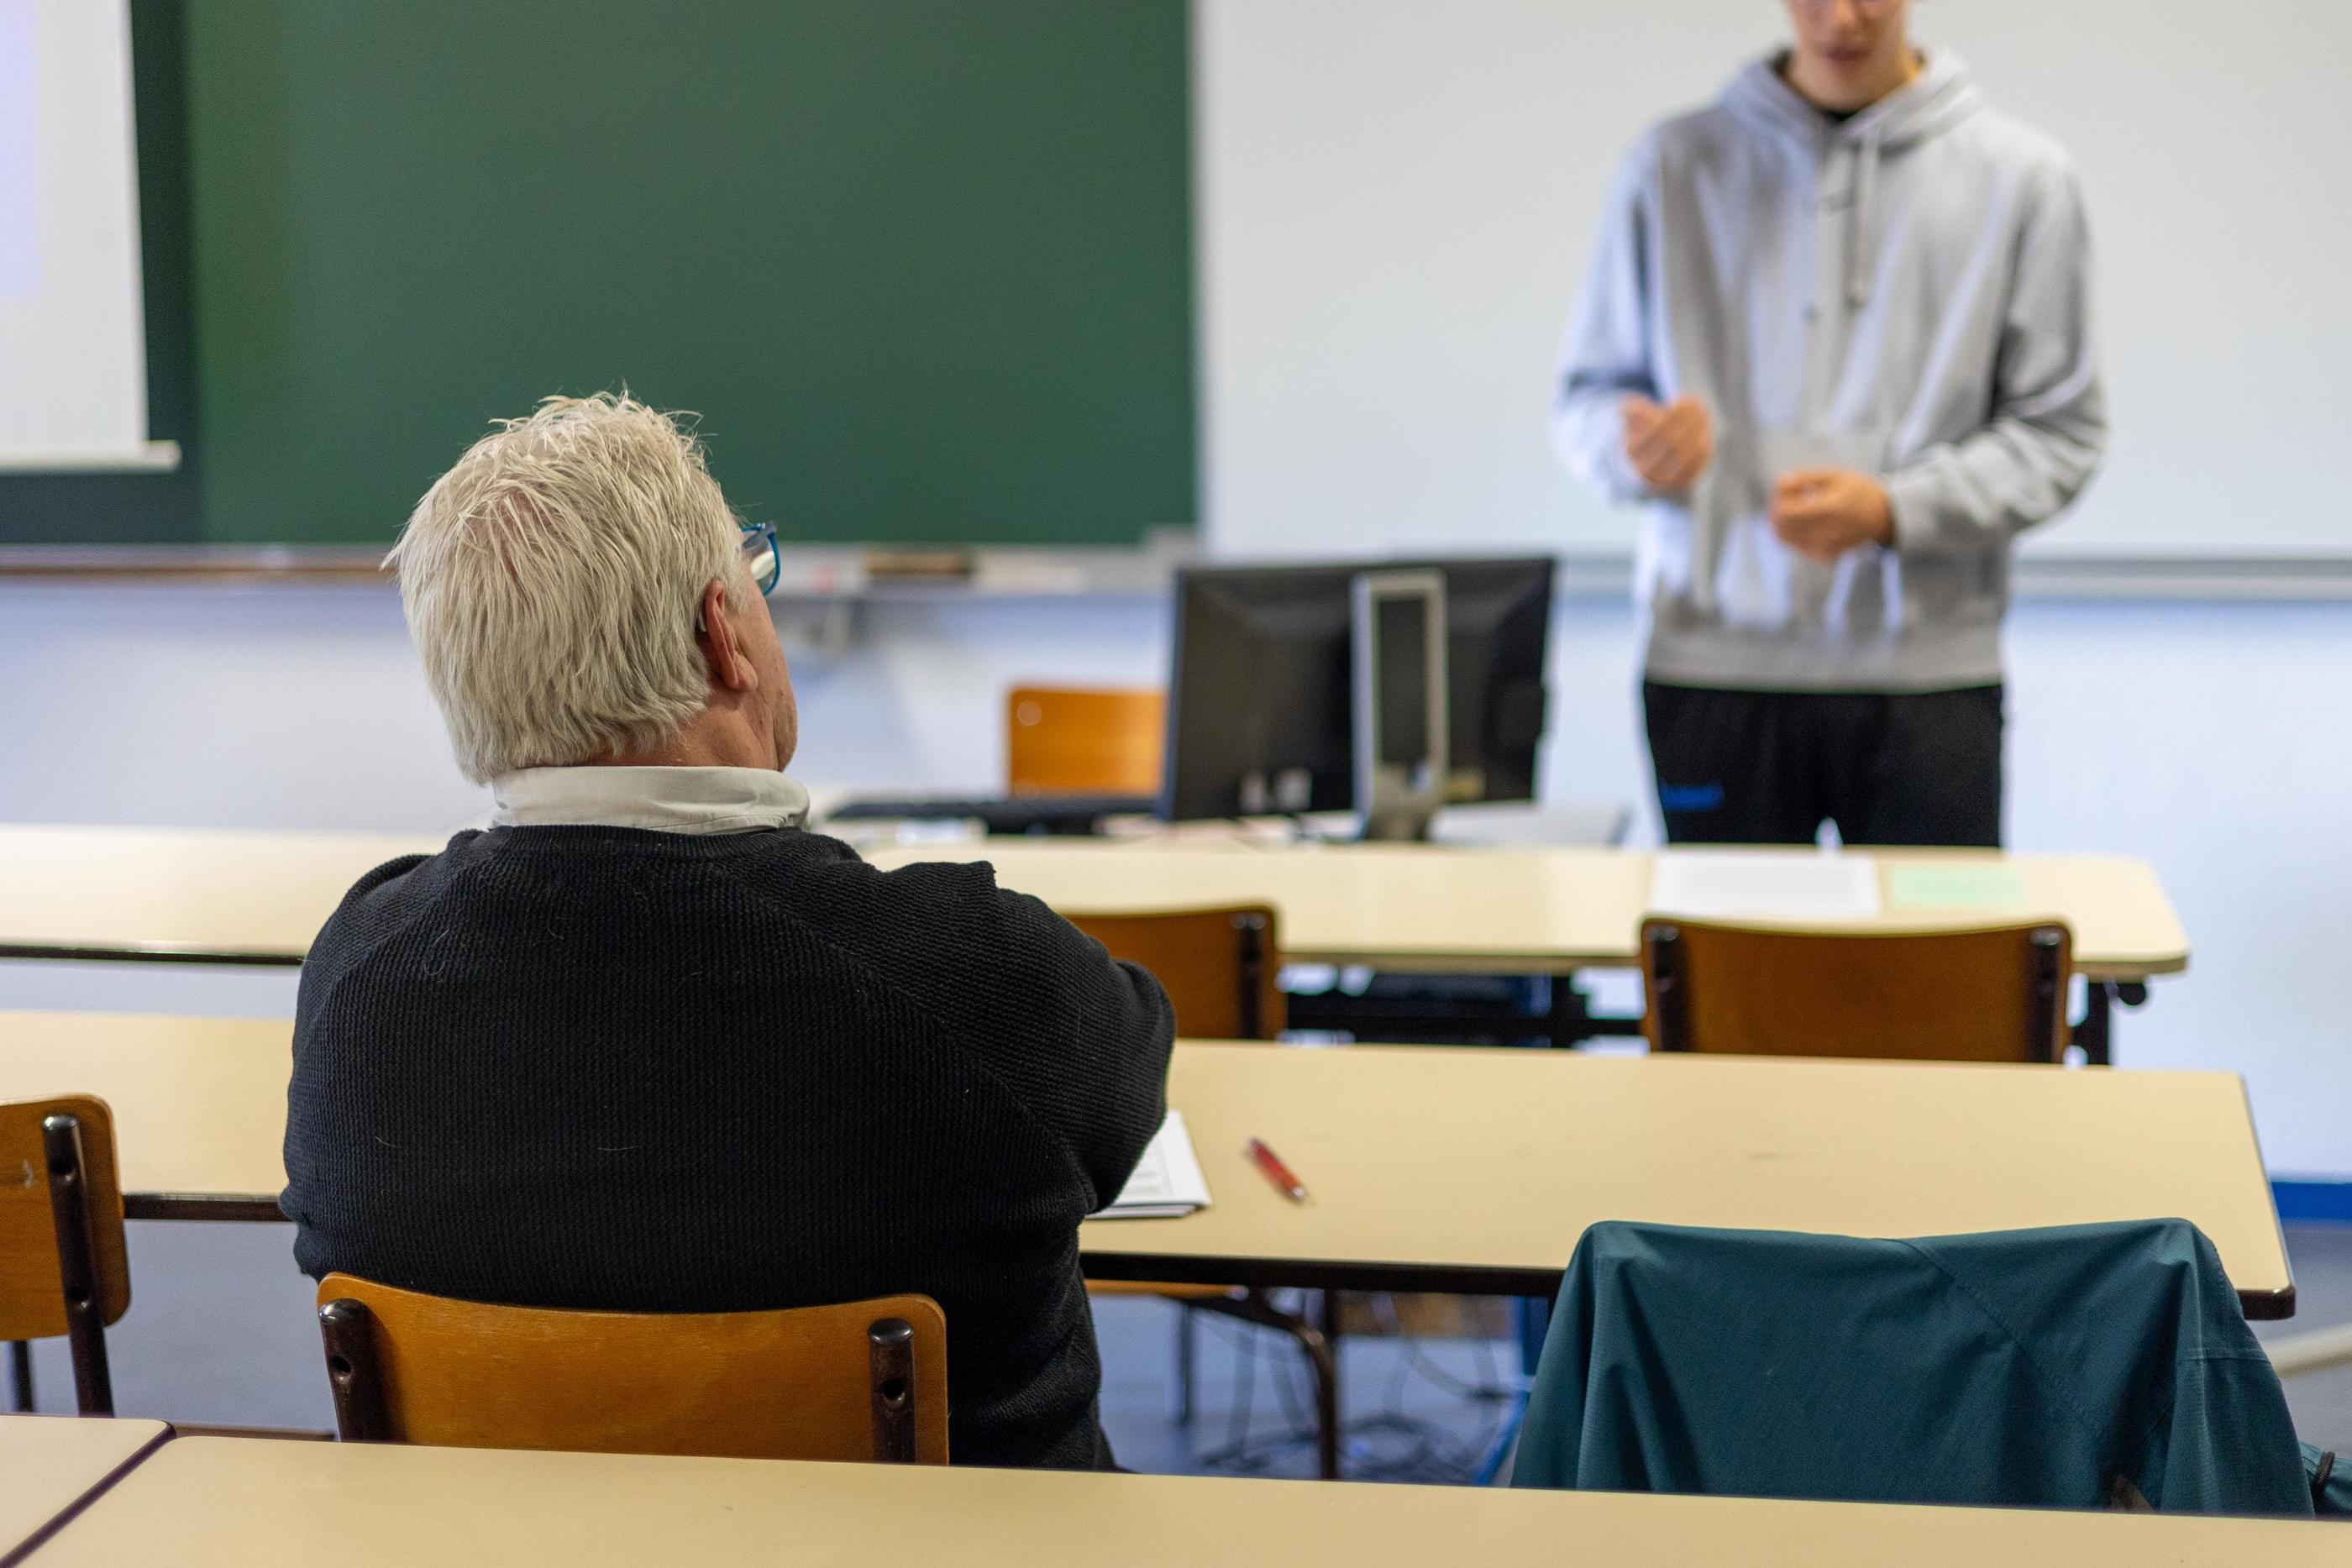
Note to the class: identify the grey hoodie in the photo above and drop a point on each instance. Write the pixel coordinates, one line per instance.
(1908, 294)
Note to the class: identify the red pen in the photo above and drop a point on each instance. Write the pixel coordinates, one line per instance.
(1268, 1161)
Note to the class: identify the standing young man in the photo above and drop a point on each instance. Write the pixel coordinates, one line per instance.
(1837, 340)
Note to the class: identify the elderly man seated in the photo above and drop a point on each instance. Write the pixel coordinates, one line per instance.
(647, 1044)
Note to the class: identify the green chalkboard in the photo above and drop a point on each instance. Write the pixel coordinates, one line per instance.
(923, 267)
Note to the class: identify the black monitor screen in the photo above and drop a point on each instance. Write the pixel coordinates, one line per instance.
(1260, 715)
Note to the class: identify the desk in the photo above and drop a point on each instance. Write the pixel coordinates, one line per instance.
(199, 1104)
(1478, 1171)
(217, 1502)
(1410, 908)
(174, 894)
(50, 1463)
(1418, 908)
(258, 898)
(1459, 1169)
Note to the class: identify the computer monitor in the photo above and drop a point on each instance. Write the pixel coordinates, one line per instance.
(1261, 693)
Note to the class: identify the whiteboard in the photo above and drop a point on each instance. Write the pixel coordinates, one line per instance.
(1396, 199)
(73, 368)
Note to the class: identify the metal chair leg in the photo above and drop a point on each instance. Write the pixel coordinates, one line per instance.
(1254, 1307)
(1321, 1356)
(1505, 1439)
(1327, 1384)
(1180, 1395)
(76, 1227)
(20, 1368)
(1531, 1319)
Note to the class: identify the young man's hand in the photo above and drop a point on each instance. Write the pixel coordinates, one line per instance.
(1822, 513)
(1669, 448)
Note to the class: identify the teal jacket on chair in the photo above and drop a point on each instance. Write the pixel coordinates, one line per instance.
(2083, 1366)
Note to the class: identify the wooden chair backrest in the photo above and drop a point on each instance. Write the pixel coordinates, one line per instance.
(1219, 967)
(1993, 994)
(32, 1277)
(861, 1380)
(1060, 740)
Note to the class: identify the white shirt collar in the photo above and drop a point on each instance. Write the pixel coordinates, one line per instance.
(664, 799)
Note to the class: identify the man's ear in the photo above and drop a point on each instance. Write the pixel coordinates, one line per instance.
(728, 666)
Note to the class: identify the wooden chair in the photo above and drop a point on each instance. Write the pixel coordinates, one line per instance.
(862, 1380)
(1220, 970)
(64, 1269)
(1995, 994)
(1220, 967)
(1060, 740)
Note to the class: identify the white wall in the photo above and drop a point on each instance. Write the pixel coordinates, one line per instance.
(218, 708)
(2208, 738)
(304, 707)
(2212, 741)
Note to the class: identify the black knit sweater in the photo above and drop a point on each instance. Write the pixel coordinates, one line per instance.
(606, 1068)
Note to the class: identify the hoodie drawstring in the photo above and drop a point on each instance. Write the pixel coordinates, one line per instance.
(1861, 233)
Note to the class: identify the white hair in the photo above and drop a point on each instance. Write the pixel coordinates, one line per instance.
(552, 579)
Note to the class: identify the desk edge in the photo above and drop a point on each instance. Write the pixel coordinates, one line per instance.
(40, 1538)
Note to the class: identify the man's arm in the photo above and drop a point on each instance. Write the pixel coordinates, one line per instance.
(2049, 425)
(1090, 1056)
(1606, 356)
(1127, 1032)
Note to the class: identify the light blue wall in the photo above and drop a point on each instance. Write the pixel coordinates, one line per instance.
(2210, 738)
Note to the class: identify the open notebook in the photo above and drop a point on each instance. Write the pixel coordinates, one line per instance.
(1167, 1182)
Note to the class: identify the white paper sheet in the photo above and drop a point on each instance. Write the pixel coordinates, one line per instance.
(1167, 1182)
(1798, 885)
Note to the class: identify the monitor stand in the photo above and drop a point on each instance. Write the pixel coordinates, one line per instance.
(1398, 638)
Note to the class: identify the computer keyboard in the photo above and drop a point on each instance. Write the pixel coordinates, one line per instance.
(1001, 814)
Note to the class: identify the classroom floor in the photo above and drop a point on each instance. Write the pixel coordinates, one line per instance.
(220, 1331)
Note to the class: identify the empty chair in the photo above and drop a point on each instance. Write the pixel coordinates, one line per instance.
(1220, 967)
(2076, 1367)
(1988, 994)
(1220, 970)
(862, 1380)
(63, 1265)
(1060, 740)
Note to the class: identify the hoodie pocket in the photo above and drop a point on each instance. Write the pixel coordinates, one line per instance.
(1757, 583)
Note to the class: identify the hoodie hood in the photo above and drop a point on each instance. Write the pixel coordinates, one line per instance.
(1939, 97)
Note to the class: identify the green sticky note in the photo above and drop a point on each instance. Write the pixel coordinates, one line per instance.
(1962, 885)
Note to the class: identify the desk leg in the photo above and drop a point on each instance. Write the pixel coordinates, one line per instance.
(20, 1367)
(1531, 1317)
(2095, 1032)
(1326, 1391)
(1318, 1340)
(1571, 1019)
(1180, 1395)
(1566, 1018)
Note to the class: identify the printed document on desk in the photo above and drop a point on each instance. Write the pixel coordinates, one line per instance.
(1796, 886)
(1167, 1182)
